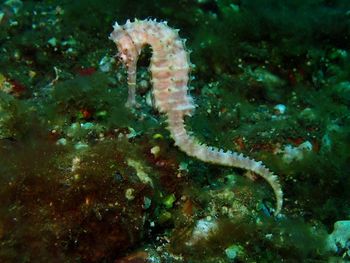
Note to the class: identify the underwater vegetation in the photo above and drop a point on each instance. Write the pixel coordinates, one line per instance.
(85, 179)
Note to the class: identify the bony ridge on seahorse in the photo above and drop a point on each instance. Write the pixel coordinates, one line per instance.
(170, 67)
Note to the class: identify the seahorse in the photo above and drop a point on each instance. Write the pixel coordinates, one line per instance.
(170, 67)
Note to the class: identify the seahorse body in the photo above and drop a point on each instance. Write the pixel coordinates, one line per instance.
(170, 67)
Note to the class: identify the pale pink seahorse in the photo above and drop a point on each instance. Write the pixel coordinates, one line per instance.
(170, 67)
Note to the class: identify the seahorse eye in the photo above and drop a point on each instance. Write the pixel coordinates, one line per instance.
(123, 56)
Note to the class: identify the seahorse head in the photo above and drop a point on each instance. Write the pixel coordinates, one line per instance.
(127, 51)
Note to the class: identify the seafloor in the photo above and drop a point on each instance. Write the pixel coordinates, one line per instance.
(85, 179)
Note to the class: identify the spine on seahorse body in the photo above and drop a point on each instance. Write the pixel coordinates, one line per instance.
(170, 67)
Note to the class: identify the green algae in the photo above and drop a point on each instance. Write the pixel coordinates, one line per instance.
(289, 239)
(16, 117)
(94, 93)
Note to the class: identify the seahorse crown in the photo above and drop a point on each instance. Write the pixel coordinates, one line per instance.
(170, 67)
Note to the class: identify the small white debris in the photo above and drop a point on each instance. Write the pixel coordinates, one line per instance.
(129, 194)
(326, 143)
(87, 125)
(291, 153)
(144, 84)
(140, 171)
(149, 99)
(339, 239)
(81, 146)
(73, 129)
(62, 141)
(265, 77)
(15, 5)
(233, 251)
(307, 115)
(183, 166)
(280, 109)
(155, 151)
(146, 203)
(235, 8)
(202, 230)
(75, 163)
(52, 41)
(2, 14)
(132, 133)
(105, 63)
